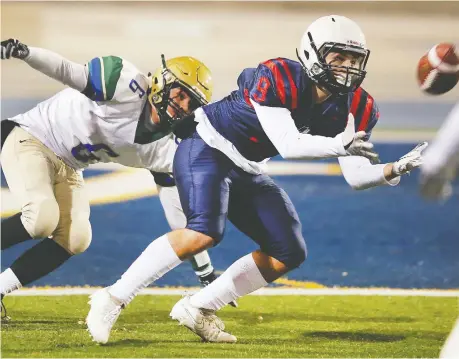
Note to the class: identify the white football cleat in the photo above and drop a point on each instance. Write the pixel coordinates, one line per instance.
(201, 321)
(103, 314)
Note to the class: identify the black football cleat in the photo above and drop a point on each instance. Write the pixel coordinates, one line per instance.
(206, 280)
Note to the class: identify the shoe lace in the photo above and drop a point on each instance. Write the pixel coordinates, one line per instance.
(214, 321)
(111, 316)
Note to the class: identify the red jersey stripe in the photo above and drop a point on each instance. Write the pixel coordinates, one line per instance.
(293, 89)
(355, 101)
(247, 97)
(280, 86)
(366, 114)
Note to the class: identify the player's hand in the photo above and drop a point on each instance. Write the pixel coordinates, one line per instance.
(410, 161)
(436, 187)
(355, 144)
(13, 48)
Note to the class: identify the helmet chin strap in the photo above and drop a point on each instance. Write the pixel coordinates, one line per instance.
(168, 113)
(325, 91)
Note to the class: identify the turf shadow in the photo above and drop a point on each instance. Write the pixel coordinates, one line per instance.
(142, 342)
(248, 317)
(356, 336)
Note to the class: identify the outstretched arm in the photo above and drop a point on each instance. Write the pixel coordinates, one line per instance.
(50, 63)
(280, 128)
(361, 174)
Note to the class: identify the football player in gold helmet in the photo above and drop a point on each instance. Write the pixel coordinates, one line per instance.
(117, 114)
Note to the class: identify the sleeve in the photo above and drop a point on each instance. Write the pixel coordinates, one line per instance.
(360, 174)
(273, 85)
(103, 75)
(442, 155)
(358, 171)
(365, 111)
(58, 68)
(280, 128)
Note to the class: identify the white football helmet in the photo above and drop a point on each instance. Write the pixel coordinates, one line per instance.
(333, 33)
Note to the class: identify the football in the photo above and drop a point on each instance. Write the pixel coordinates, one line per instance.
(438, 69)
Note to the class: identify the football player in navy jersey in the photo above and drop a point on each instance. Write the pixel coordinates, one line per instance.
(314, 108)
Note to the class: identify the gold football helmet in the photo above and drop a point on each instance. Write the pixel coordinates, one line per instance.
(188, 73)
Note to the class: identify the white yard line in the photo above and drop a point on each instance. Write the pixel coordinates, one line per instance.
(263, 291)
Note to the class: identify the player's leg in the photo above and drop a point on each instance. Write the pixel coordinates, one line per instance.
(200, 262)
(73, 233)
(13, 231)
(265, 213)
(170, 201)
(30, 174)
(200, 173)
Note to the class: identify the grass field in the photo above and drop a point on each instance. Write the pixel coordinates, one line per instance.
(277, 326)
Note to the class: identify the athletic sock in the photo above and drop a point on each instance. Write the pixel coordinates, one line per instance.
(155, 261)
(241, 278)
(38, 261)
(202, 265)
(13, 231)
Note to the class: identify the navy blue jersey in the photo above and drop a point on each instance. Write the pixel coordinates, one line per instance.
(283, 83)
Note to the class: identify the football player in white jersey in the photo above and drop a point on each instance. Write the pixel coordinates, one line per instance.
(441, 162)
(111, 113)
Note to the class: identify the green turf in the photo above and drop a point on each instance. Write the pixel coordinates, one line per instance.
(282, 326)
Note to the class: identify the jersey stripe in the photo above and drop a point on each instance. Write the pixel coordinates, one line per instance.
(360, 109)
(112, 72)
(96, 79)
(366, 114)
(293, 89)
(356, 101)
(102, 75)
(247, 97)
(280, 86)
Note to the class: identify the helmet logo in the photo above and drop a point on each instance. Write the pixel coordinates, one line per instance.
(355, 43)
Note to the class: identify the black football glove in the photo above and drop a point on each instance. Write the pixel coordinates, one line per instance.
(14, 48)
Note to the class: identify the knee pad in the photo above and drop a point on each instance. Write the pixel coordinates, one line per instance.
(293, 254)
(212, 226)
(296, 258)
(40, 217)
(77, 238)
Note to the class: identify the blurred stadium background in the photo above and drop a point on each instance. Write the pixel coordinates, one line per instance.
(384, 237)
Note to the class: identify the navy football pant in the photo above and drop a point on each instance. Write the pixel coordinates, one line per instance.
(212, 188)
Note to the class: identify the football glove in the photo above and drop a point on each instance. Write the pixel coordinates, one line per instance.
(13, 48)
(355, 144)
(410, 161)
(436, 188)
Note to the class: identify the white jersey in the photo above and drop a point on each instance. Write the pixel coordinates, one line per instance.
(105, 124)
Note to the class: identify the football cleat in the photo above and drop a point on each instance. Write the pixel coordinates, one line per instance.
(202, 322)
(209, 278)
(102, 316)
(4, 316)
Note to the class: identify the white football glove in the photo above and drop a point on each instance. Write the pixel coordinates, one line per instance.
(355, 144)
(410, 161)
(13, 48)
